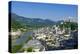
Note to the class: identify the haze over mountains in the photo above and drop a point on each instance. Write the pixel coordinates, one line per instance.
(31, 22)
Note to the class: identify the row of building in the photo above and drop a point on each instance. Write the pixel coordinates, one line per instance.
(52, 35)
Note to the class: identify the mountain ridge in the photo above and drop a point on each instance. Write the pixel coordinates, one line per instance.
(32, 22)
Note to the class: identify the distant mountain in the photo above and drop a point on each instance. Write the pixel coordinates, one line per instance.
(32, 22)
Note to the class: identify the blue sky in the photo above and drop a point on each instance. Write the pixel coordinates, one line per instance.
(43, 10)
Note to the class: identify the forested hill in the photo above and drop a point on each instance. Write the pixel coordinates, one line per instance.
(19, 21)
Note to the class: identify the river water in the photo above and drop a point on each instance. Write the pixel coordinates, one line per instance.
(23, 38)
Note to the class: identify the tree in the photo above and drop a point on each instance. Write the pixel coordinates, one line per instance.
(30, 49)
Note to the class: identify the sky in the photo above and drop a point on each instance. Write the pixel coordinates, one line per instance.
(53, 12)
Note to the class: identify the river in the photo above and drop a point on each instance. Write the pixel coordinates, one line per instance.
(23, 38)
